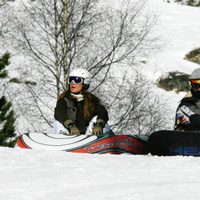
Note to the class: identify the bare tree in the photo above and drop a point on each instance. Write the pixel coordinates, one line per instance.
(2, 23)
(135, 107)
(57, 35)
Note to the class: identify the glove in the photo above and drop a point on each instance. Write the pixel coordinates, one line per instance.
(98, 127)
(73, 129)
(195, 119)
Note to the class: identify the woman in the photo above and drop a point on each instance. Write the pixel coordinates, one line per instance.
(77, 107)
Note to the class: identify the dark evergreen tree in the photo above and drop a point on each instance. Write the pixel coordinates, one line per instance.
(7, 120)
(4, 61)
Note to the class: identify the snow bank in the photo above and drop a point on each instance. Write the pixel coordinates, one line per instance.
(41, 175)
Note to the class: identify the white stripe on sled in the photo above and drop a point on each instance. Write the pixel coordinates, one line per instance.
(56, 142)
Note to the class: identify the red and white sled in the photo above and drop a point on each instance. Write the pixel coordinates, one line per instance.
(115, 144)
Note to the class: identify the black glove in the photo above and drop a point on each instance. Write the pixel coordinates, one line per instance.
(195, 119)
(71, 126)
(98, 127)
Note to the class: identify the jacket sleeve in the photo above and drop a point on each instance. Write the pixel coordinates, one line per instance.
(59, 112)
(186, 119)
(101, 112)
(64, 112)
(195, 120)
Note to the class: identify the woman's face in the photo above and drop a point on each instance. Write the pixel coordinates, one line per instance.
(76, 88)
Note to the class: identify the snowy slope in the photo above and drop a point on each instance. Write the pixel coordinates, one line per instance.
(53, 175)
(42, 175)
(178, 30)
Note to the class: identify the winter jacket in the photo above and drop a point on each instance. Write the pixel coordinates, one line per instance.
(68, 108)
(188, 115)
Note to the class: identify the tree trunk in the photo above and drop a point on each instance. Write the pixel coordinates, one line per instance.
(65, 53)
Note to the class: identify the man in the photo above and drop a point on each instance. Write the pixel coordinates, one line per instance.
(188, 111)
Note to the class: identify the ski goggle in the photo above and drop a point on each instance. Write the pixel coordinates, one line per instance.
(75, 80)
(195, 83)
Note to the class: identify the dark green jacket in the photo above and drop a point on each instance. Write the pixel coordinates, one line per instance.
(68, 108)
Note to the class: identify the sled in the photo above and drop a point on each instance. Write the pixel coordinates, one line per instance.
(173, 143)
(113, 144)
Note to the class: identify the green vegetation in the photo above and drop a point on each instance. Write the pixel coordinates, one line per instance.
(189, 2)
(194, 56)
(7, 119)
(177, 81)
(16, 80)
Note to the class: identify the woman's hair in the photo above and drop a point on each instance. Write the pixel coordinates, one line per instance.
(62, 95)
(88, 106)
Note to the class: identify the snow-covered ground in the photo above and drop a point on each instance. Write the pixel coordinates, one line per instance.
(42, 175)
(53, 175)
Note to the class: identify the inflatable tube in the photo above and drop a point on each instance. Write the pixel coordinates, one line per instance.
(171, 143)
(114, 144)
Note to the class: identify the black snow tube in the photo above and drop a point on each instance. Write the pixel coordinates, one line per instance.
(171, 143)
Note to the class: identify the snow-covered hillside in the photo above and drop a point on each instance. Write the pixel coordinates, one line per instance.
(54, 175)
(42, 175)
(178, 31)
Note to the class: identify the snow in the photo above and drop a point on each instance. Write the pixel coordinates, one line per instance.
(41, 175)
(178, 31)
(177, 28)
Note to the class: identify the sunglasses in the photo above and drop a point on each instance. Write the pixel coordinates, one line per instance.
(195, 83)
(75, 80)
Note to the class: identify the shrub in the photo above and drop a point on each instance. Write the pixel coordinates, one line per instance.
(177, 81)
(194, 56)
(16, 80)
(189, 2)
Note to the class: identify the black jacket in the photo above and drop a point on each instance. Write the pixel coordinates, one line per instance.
(188, 115)
(68, 108)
